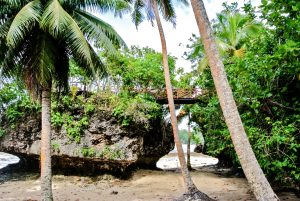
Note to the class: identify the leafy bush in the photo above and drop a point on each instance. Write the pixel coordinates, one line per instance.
(88, 152)
(140, 109)
(266, 92)
(69, 113)
(15, 103)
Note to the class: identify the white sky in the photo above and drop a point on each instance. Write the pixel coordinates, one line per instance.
(146, 35)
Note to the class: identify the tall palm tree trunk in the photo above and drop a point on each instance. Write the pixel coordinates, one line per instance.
(46, 175)
(188, 157)
(251, 168)
(191, 189)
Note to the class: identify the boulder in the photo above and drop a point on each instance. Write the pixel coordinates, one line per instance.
(106, 146)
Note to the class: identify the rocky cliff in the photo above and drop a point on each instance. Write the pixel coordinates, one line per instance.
(104, 146)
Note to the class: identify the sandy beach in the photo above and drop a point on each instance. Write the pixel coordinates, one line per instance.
(145, 185)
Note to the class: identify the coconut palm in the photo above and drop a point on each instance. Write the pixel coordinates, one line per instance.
(232, 31)
(152, 8)
(37, 39)
(255, 176)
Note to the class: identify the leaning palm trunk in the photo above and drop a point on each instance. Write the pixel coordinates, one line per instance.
(188, 154)
(46, 175)
(190, 186)
(251, 168)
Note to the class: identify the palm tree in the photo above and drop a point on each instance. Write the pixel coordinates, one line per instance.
(152, 8)
(251, 168)
(37, 40)
(232, 30)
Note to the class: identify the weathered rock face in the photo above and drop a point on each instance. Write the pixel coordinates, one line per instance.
(105, 145)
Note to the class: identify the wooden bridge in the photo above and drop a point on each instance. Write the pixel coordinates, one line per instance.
(181, 96)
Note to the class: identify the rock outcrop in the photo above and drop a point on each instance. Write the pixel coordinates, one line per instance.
(105, 145)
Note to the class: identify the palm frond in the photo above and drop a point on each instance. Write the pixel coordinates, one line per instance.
(99, 68)
(116, 6)
(61, 25)
(7, 61)
(61, 72)
(14, 3)
(223, 46)
(167, 10)
(98, 31)
(137, 16)
(248, 30)
(23, 22)
(42, 65)
(36, 71)
(4, 28)
(12, 57)
(121, 7)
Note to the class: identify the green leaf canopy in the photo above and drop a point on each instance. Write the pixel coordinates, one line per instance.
(39, 37)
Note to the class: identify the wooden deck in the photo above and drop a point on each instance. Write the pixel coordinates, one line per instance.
(181, 96)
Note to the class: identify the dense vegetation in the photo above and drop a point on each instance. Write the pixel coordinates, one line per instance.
(120, 93)
(265, 80)
(261, 57)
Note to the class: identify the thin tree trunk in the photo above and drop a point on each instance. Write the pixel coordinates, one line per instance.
(191, 189)
(251, 168)
(188, 157)
(46, 175)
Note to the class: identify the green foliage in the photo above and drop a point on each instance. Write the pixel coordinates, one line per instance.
(140, 108)
(73, 112)
(138, 69)
(183, 135)
(88, 152)
(2, 132)
(15, 103)
(284, 17)
(57, 119)
(197, 137)
(265, 90)
(89, 107)
(55, 146)
(38, 38)
(74, 127)
(63, 114)
(266, 85)
(112, 153)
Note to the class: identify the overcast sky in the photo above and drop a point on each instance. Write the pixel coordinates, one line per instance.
(147, 35)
